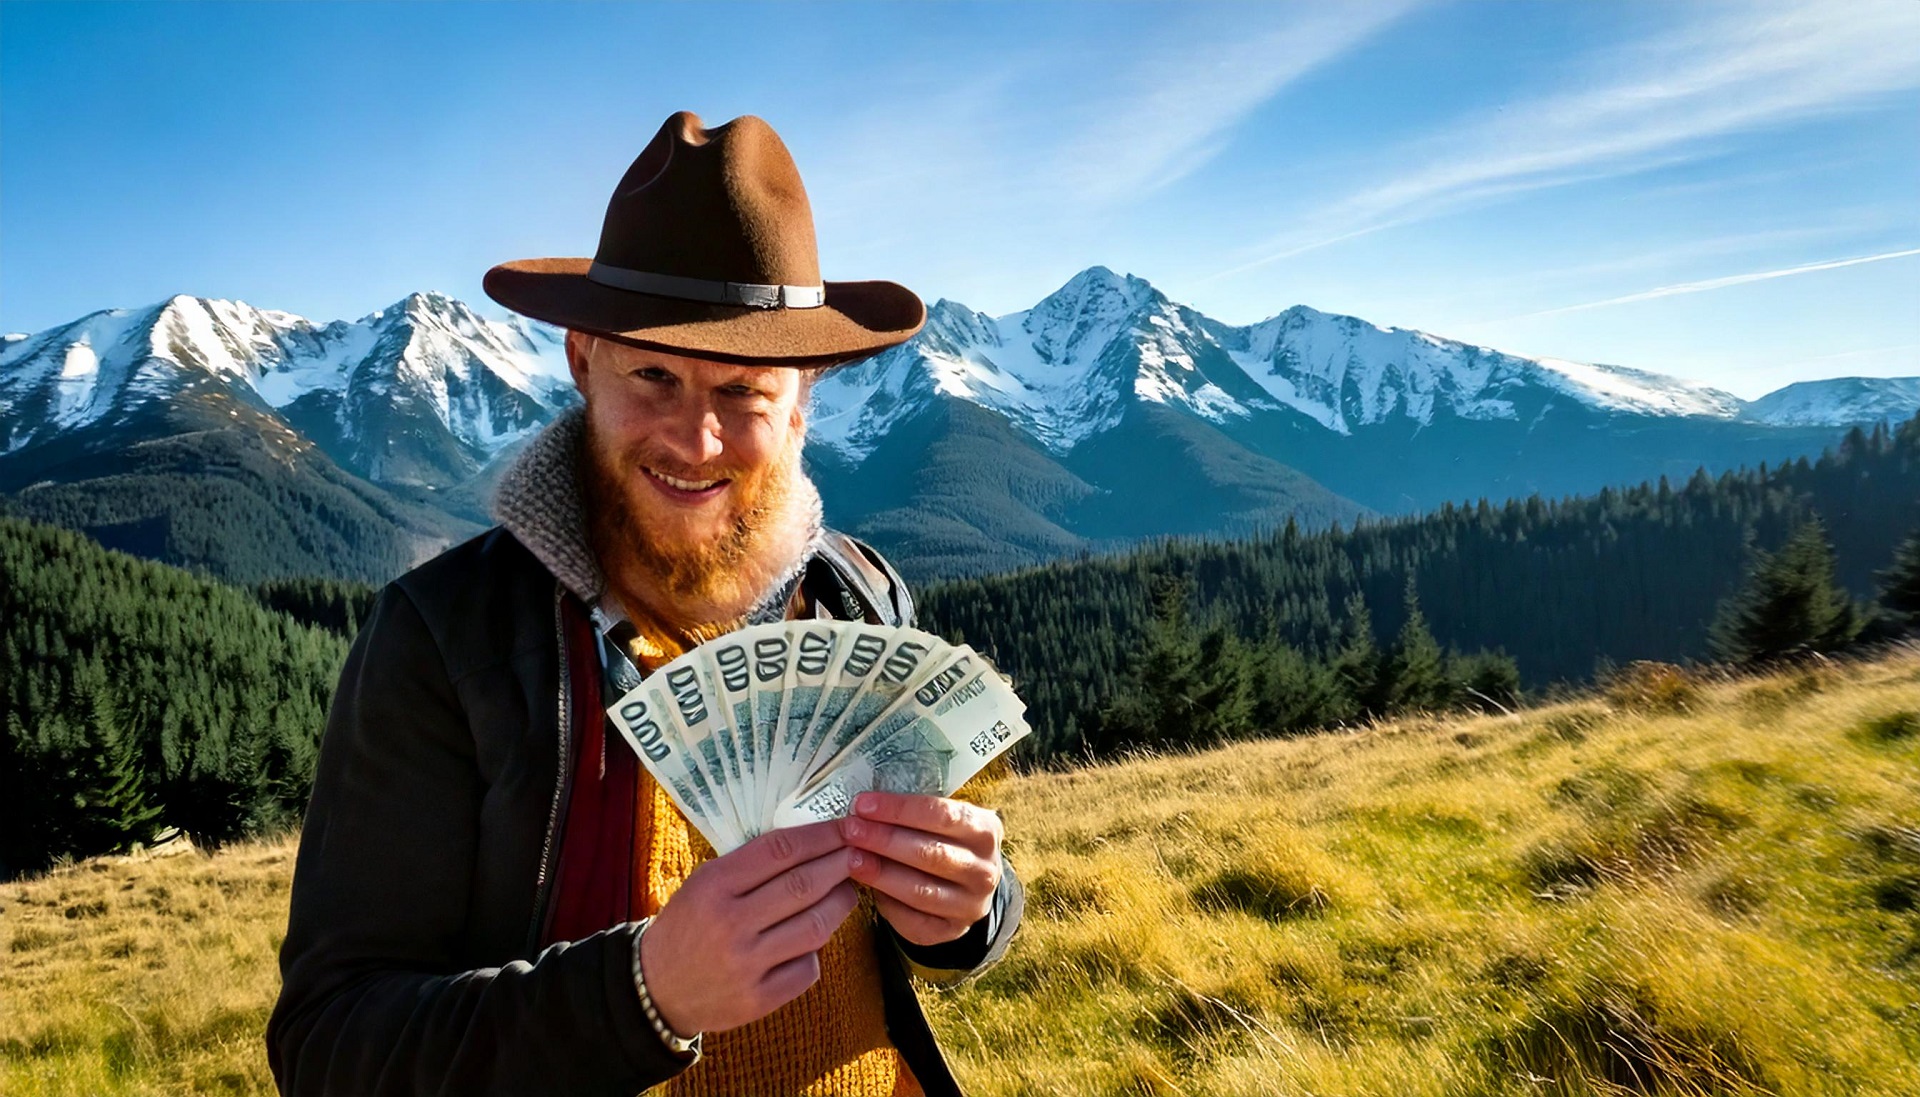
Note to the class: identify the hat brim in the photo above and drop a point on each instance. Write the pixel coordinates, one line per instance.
(859, 319)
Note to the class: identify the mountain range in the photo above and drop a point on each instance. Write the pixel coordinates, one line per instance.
(253, 442)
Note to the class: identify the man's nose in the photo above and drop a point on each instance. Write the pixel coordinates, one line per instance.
(693, 437)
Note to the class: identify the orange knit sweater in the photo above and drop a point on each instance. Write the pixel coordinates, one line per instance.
(832, 1040)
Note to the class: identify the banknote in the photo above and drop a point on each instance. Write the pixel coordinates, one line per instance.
(646, 719)
(926, 748)
(814, 644)
(784, 723)
(772, 653)
(856, 659)
(909, 652)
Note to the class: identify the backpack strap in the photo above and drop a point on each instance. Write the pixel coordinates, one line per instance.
(857, 583)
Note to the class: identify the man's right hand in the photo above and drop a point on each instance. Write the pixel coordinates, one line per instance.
(742, 936)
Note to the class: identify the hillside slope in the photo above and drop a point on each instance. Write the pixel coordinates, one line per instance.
(130, 688)
(1561, 585)
(1708, 888)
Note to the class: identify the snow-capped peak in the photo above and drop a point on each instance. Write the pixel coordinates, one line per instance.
(1346, 373)
(1061, 371)
(1068, 367)
(430, 368)
(1618, 388)
(442, 335)
(1079, 319)
(1837, 402)
(428, 346)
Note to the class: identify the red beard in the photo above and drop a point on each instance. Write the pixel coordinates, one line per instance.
(688, 577)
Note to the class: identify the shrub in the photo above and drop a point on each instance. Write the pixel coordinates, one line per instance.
(1891, 727)
(1645, 686)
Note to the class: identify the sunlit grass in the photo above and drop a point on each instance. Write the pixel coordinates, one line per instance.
(143, 975)
(1687, 887)
(1683, 887)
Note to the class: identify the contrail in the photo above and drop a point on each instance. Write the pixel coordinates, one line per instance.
(1718, 283)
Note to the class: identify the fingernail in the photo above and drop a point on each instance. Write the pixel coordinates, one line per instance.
(866, 803)
(856, 859)
(852, 828)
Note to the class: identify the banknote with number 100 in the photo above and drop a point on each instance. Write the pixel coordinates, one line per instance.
(782, 724)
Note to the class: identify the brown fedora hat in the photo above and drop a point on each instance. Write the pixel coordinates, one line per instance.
(708, 251)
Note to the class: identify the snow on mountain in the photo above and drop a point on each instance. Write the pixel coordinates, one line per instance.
(1838, 402)
(426, 389)
(65, 376)
(1344, 372)
(1067, 368)
(487, 382)
(490, 383)
(1618, 388)
(1061, 371)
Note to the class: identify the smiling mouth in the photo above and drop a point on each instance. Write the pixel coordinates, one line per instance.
(677, 488)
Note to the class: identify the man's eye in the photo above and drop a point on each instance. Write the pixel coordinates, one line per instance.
(653, 373)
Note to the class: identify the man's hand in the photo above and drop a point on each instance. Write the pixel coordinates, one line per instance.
(933, 863)
(742, 936)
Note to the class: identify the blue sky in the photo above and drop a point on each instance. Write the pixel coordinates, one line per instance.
(1725, 192)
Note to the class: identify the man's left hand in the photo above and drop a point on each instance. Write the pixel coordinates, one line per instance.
(933, 863)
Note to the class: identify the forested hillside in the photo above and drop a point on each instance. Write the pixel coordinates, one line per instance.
(138, 696)
(210, 483)
(1621, 575)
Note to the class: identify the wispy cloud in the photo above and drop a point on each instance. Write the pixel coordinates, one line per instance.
(1716, 283)
(1174, 108)
(1737, 69)
(1024, 159)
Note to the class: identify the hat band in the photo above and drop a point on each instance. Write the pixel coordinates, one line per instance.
(749, 294)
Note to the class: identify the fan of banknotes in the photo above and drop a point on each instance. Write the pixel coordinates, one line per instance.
(781, 724)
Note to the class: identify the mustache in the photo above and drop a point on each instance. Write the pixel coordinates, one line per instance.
(680, 470)
(634, 460)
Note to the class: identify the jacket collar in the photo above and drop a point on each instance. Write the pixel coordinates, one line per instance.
(539, 501)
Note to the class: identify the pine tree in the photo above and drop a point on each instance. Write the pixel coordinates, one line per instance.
(124, 812)
(1356, 664)
(1223, 705)
(1416, 677)
(1485, 680)
(1154, 700)
(1289, 692)
(1789, 606)
(1900, 584)
(1183, 689)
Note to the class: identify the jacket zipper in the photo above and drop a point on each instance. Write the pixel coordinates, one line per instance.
(564, 770)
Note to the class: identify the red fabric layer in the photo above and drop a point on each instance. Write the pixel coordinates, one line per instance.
(593, 882)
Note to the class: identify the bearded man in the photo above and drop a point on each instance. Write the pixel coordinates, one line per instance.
(492, 895)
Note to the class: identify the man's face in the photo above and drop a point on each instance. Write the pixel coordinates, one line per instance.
(690, 460)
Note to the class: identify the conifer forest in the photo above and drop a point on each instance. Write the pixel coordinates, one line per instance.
(140, 698)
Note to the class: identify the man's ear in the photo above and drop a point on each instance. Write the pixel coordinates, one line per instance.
(579, 346)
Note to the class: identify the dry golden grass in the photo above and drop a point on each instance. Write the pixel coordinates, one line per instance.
(1677, 887)
(143, 975)
(1680, 887)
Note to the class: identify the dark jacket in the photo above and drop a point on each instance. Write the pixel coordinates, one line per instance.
(410, 963)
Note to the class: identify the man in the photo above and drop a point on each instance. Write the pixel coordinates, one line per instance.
(492, 895)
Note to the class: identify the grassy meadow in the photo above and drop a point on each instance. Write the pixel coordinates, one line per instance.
(1675, 887)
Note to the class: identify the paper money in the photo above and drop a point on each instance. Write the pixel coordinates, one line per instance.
(785, 723)
(648, 723)
(929, 748)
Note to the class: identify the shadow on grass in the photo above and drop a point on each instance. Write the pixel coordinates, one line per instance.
(1613, 1038)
